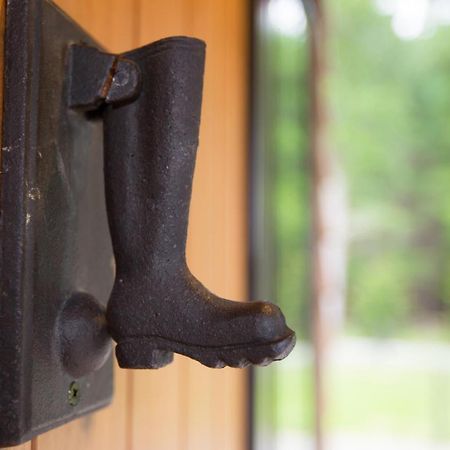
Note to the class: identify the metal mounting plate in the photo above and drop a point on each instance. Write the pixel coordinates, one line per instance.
(54, 238)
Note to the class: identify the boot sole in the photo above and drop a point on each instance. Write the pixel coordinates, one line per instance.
(156, 352)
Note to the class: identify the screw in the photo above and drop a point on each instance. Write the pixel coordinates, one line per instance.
(73, 394)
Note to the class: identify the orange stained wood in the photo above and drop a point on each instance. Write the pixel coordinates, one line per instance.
(185, 405)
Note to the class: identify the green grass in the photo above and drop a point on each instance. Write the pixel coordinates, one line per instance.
(392, 401)
(382, 400)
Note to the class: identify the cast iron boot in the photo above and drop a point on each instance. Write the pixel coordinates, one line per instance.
(157, 306)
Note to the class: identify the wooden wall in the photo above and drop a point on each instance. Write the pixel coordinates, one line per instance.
(184, 406)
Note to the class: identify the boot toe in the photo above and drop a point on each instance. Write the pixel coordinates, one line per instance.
(269, 323)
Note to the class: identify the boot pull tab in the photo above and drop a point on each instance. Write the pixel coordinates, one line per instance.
(97, 77)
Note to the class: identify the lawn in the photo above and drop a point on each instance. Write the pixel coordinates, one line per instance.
(388, 389)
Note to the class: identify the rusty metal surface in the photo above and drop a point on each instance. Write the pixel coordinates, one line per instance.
(96, 77)
(54, 238)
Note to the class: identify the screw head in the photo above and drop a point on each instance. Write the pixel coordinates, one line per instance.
(73, 394)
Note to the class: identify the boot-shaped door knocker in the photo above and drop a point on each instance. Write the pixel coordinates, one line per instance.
(151, 117)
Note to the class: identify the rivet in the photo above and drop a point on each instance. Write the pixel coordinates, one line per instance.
(73, 394)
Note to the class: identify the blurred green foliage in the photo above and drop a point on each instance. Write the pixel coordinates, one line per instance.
(390, 112)
(377, 400)
(389, 119)
(389, 103)
(288, 142)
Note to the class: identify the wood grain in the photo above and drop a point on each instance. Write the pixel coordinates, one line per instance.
(217, 248)
(158, 396)
(113, 23)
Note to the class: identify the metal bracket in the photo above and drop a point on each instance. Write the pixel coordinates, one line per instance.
(56, 260)
(96, 77)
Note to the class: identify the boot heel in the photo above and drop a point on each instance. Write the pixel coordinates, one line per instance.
(140, 354)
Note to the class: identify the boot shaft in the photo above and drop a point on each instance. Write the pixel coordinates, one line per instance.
(151, 144)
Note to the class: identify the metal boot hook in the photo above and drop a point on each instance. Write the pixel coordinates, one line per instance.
(150, 102)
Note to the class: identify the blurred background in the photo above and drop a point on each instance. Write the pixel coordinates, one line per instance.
(350, 222)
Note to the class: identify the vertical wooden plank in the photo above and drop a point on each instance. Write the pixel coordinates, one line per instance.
(162, 18)
(218, 213)
(158, 396)
(217, 248)
(157, 408)
(207, 220)
(233, 426)
(114, 24)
